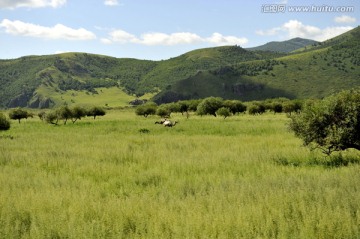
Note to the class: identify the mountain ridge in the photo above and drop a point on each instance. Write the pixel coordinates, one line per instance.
(284, 46)
(228, 71)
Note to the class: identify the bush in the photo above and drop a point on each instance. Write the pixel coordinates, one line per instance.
(77, 113)
(163, 111)
(19, 114)
(257, 108)
(146, 109)
(52, 117)
(209, 106)
(235, 106)
(4, 122)
(332, 124)
(225, 112)
(95, 111)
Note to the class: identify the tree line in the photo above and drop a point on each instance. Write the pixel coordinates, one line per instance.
(217, 106)
(63, 113)
(331, 124)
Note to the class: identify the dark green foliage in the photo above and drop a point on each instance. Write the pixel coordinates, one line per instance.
(235, 106)
(292, 106)
(257, 108)
(64, 113)
(224, 112)
(77, 113)
(163, 111)
(95, 111)
(277, 107)
(52, 117)
(19, 114)
(146, 109)
(144, 131)
(209, 106)
(42, 115)
(332, 124)
(4, 122)
(284, 46)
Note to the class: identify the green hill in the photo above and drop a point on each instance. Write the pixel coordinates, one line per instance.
(325, 69)
(284, 46)
(229, 71)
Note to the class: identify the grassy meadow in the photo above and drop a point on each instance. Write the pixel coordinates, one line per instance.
(242, 177)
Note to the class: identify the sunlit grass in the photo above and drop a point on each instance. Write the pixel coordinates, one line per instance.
(204, 178)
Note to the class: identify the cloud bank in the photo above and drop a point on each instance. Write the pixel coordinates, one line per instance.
(12, 4)
(295, 28)
(178, 38)
(59, 31)
(345, 19)
(111, 2)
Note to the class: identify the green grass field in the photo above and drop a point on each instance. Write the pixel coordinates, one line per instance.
(242, 177)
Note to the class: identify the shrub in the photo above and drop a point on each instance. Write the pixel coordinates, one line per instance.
(257, 108)
(225, 112)
(163, 111)
(209, 106)
(332, 124)
(77, 113)
(42, 115)
(52, 117)
(64, 113)
(95, 111)
(4, 122)
(235, 106)
(146, 109)
(19, 114)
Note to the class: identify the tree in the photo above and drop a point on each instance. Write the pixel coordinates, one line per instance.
(19, 114)
(52, 117)
(225, 112)
(4, 122)
(332, 124)
(257, 108)
(292, 106)
(77, 113)
(42, 115)
(235, 106)
(146, 109)
(163, 111)
(277, 107)
(209, 106)
(95, 111)
(64, 113)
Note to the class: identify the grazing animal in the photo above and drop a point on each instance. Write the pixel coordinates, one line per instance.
(162, 121)
(168, 123)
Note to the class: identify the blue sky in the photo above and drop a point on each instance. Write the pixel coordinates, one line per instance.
(161, 29)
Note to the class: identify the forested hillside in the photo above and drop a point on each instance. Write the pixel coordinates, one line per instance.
(230, 72)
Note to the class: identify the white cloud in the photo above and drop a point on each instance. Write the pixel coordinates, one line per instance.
(121, 37)
(295, 28)
(157, 38)
(59, 31)
(111, 2)
(60, 52)
(11, 4)
(345, 19)
(220, 40)
(178, 38)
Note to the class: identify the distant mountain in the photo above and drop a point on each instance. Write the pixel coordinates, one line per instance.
(230, 72)
(284, 46)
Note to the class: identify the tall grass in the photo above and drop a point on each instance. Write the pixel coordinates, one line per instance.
(204, 178)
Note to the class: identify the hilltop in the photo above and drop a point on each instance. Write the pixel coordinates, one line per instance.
(284, 46)
(229, 71)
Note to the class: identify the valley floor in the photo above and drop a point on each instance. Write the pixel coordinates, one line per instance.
(242, 177)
